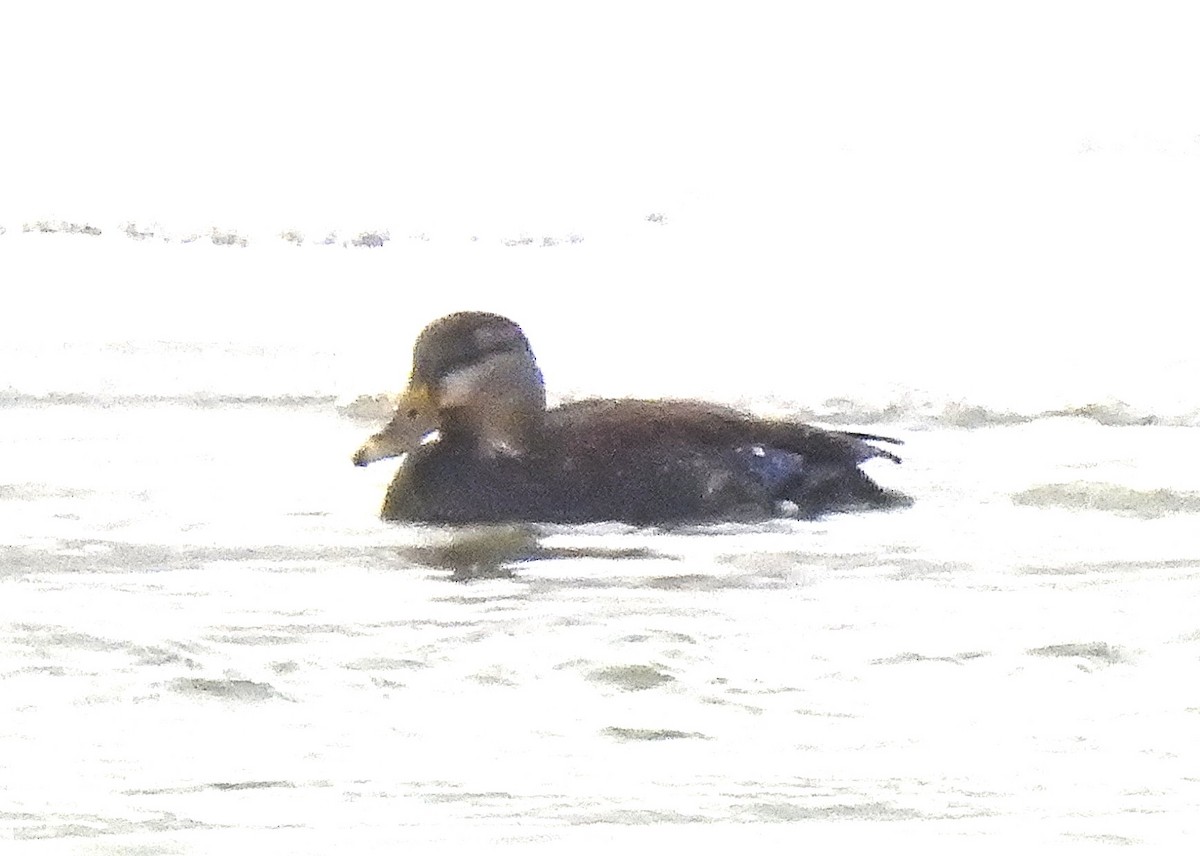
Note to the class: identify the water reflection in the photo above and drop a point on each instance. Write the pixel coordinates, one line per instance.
(495, 552)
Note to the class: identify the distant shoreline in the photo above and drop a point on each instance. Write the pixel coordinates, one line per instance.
(227, 237)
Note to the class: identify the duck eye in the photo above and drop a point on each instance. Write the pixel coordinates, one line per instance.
(412, 413)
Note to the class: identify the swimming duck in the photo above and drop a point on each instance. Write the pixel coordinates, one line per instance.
(480, 445)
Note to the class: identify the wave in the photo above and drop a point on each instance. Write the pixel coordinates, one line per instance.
(958, 414)
(840, 412)
(847, 412)
(907, 410)
(13, 398)
(1114, 498)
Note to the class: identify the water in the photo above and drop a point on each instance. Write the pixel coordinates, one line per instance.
(209, 642)
(974, 232)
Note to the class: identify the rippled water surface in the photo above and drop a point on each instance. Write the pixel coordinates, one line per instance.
(210, 643)
(223, 225)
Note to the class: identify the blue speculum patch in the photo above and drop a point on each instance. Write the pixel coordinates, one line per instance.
(774, 468)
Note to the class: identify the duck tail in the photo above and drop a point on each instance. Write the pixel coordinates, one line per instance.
(864, 446)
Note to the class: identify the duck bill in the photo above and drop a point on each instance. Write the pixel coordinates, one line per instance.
(415, 418)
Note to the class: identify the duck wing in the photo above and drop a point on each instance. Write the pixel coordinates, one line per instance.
(641, 460)
(610, 424)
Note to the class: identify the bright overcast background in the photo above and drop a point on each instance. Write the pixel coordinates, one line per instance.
(274, 110)
(1029, 165)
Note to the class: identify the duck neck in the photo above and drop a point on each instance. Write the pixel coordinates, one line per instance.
(503, 428)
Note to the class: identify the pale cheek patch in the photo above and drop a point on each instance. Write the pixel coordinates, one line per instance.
(459, 387)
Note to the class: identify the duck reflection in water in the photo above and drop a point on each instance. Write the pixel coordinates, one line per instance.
(480, 446)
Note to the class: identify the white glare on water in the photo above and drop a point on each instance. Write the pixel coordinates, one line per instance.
(971, 229)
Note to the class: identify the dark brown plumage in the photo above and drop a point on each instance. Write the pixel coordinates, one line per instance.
(500, 455)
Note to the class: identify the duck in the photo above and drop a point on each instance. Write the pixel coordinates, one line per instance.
(479, 445)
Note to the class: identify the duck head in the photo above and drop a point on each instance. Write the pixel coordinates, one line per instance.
(474, 381)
